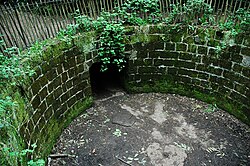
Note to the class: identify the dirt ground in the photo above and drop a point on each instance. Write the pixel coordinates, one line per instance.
(152, 130)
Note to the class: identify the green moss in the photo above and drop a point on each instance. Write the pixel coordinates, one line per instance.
(55, 127)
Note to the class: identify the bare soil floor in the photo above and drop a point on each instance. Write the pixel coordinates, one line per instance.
(153, 130)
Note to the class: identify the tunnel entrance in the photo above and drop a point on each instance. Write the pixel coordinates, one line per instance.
(105, 82)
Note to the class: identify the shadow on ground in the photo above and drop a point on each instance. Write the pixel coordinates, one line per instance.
(152, 130)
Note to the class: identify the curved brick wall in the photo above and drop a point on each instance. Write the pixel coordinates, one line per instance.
(159, 61)
(60, 90)
(178, 62)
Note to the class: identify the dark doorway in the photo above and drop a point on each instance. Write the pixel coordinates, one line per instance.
(105, 82)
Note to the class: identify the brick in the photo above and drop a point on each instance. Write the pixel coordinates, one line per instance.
(170, 46)
(51, 74)
(71, 101)
(57, 92)
(185, 56)
(64, 77)
(45, 67)
(184, 64)
(142, 70)
(192, 48)
(172, 70)
(240, 88)
(159, 62)
(65, 97)
(44, 92)
(35, 102)
(246, 72)
(203, 76)
(181, 47)
(79, 95)
(43, 81)
(216, 71)
(49, 99)
(202, 50)
(172, 55)
(154, 46)
(245, 51)
(187, 72)
(237, 68)
(59, 69)
(50, 87)
(56, 82)
(237, 58)
(48, 113)
(56, 104)
(35, 87)
(42, 106)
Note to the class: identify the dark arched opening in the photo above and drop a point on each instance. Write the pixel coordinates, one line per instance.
(105, 82)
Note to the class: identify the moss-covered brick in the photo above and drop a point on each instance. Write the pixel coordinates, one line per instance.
(56, 104)
(35, 87)
(240, 88)
(237, 68)
(154, 46)
(203, 76)
(79, 95)
(57, 92)
(196, 58)
(49, 99)
(142, 54)
(176, 37)
(216, 79)
(167, 54)
(44, 92)
(36, 102)
(190, 73)
(45, 67)
(185, 64)
(43, 81)
(38, 72)
(201, 67)
(188, 39)
(56, 82)
(211, 51)
(65, 96)
(69, 84)
(202, 50)
(237, 58)
(246, 72)
(71, 53)
(88, 91)
(185, 56)
(148, 61)
(238, 97)
(36, 116)
(50, 75)
(84, 75)
(184, 79)
(245, 51)
(170, 46)
(216, 71)
(50, 87)
(72, 72)
(165, 62)
(142, 70)
(64, 77)
(181, 47)
(192, 48)
(226, 55)
(59, 69)
(224, 64)
(172, 70)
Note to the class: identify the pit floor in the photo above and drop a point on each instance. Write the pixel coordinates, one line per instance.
(152, 130)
